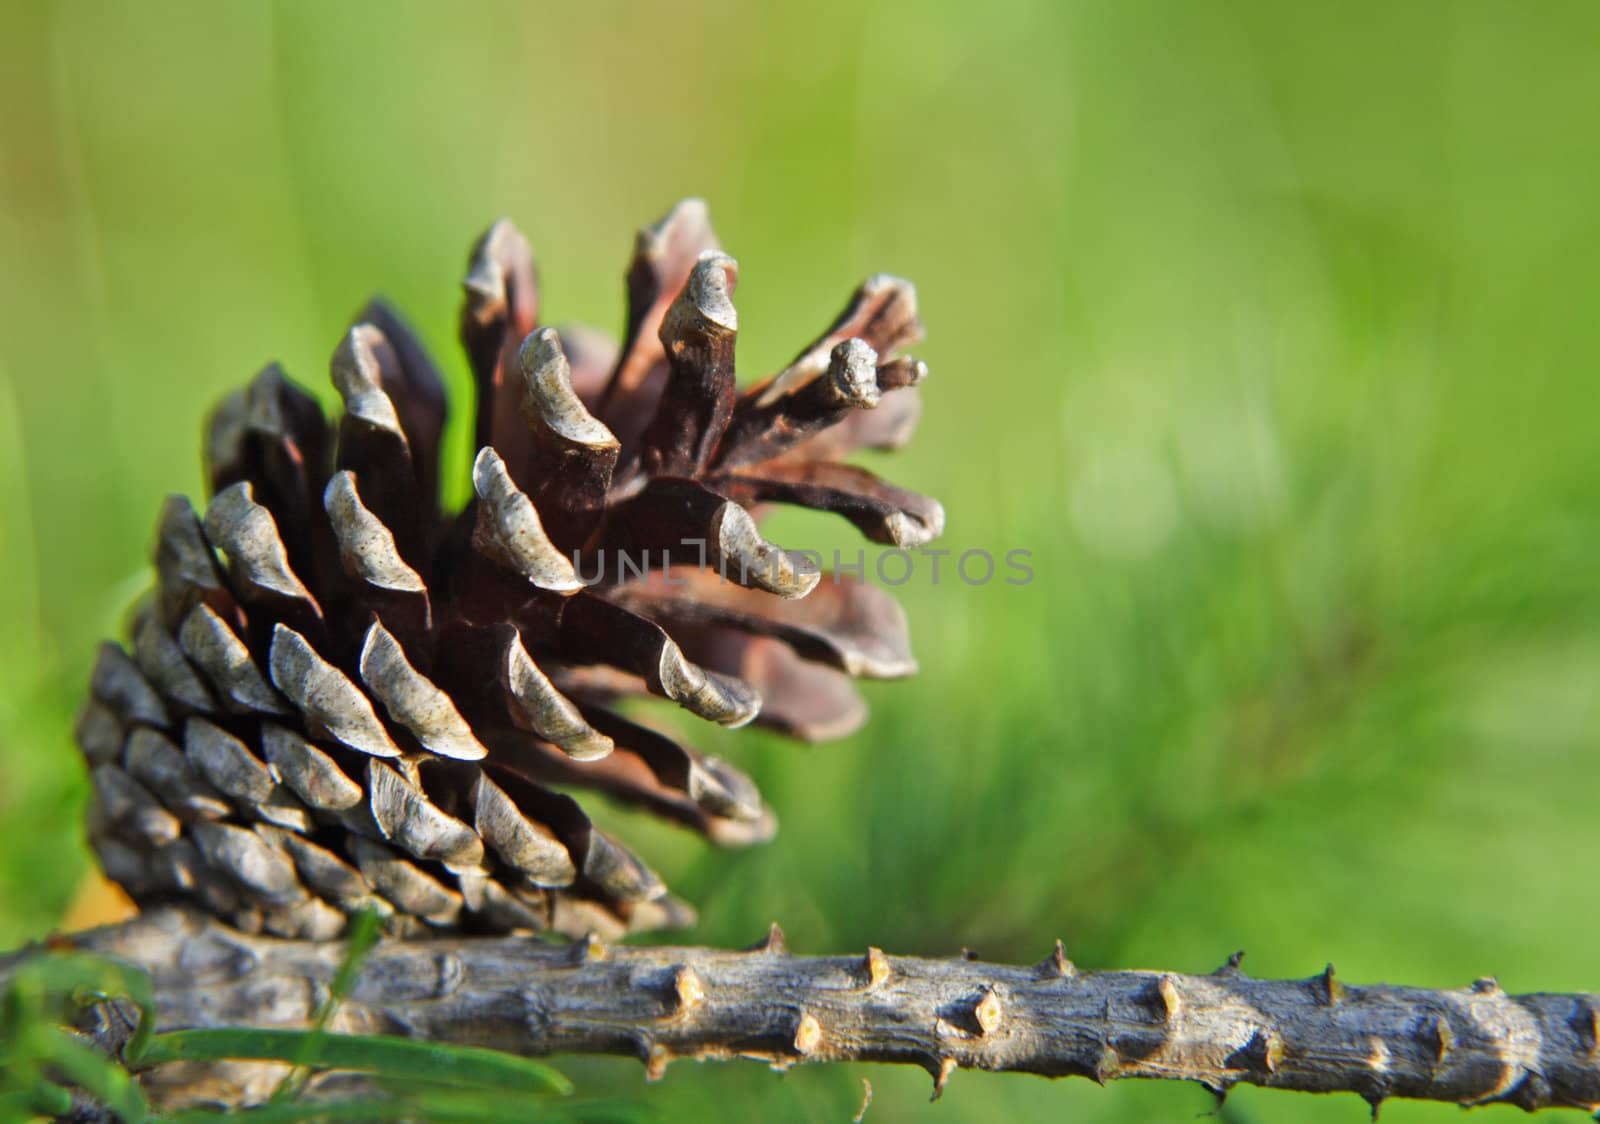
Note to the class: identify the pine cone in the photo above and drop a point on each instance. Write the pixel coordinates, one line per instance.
(340, 697)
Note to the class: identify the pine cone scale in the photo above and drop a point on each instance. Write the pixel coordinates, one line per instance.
(573, 455)
(501, 308)
(698, 334)
(663, 257)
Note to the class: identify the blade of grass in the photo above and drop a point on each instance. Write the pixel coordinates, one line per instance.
(362, 937)
(376, 1108)
(91, 1071)
(46, 1102)
(85, 980)
(46, 992)
(500, 1104)
(436, 1108)
(377, 1054)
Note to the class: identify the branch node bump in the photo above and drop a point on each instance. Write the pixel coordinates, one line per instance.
(688, 988)
(1231, 968)
(1056, 965)
(1107, 1066)
(773, 944)
(989, 1011)
(590, 950)
(807, 1035)
(1444, 1038)
(1332, 991)
(1264, 1052)
(1167, 994)
(876, 966)
(1586, 1024)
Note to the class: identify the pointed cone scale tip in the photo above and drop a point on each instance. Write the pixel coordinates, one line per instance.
(908, 531)
(707, 299)
(359, 381)
(548, 379)
(235, 523)
(721, 698)
(550, 714)
(752, 560)
(366, 547)
(689, 219)
(500, 245)
(853, 371)
(413, 700)
(512, 528)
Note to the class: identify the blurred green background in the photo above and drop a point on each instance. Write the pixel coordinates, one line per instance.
(1268, 328)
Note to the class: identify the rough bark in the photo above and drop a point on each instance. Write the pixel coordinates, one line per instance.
(1475, 1045)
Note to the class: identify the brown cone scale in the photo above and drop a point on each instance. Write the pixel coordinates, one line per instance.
(340, 696)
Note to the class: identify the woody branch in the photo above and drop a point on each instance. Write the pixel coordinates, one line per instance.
(1474, 1045)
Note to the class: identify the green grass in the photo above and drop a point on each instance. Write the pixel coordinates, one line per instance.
(1268, 328)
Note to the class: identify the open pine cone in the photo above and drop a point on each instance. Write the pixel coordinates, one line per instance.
(340, 696)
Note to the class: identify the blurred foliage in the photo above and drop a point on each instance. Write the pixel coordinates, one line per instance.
(1267, 329)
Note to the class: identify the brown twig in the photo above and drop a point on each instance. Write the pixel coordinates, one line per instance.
(1475, 1045)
